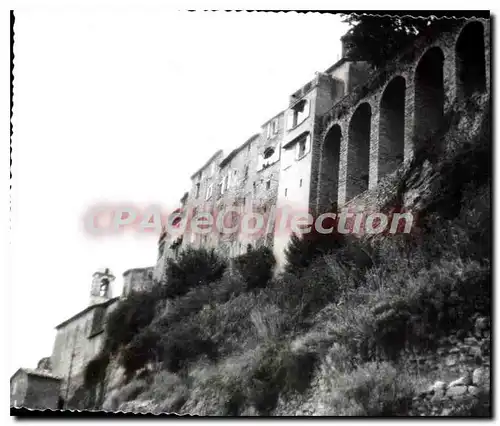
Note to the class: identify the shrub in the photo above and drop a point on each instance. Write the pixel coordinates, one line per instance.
(412, 308)
(280, 370)
(167, 390)
(301, 251)
(144, 347)
(373, 389)
(318, 285)
(183, 343)
(192, 268)
(256, 267)
(128, 392)
(229, 325)
(131, 315)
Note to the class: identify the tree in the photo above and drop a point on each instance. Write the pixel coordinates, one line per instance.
(376, 39)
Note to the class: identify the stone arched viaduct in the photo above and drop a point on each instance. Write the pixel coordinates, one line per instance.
(369, 133)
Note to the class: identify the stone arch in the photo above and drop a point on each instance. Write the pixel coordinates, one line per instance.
(470, 60)
(358, 151)
(429, 93)
(330, 162)
(392, 126)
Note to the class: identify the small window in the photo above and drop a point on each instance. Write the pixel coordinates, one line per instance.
(225, 184)
(103, 290)
(272, 128)
(245, 175)
(209, 192)
(197, 190)
(268, 153)
(302, 147)
(254, 186)
(268, 184)
(298, 114)
(300, 183)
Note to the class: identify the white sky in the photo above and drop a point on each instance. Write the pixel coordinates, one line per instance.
(123, 105)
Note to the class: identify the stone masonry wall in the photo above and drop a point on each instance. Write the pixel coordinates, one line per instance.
(371, 93)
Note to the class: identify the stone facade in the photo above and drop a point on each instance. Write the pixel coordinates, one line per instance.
(343, 134)
(37, 389)
(138, 279)
(78, 340)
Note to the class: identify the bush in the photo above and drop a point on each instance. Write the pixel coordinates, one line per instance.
(256, 267)
(412, 308)
(280, 370)
(321, 283)
(229, 325)
(193, 268)
(131, 315)
(168, 391)
(183, 343)
(95, 370)
(373, 389)
(144, 347)
(301, 251)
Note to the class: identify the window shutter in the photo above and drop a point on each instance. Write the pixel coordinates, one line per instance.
(305, 113)
(289, 119)
(308, 143)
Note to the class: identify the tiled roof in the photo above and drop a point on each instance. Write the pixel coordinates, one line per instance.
(41, 373)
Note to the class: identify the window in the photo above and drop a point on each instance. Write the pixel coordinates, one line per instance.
(268, 153)
(286, 191)
(298, 114)
(300, 183)
(302, 147)
(254, 187)
(272, 128)
(209, 192)
(197, 190)
(245, 175)
(224, 184)
(103, 290)
(268, 184)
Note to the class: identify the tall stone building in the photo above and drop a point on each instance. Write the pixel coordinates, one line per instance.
(343, 136)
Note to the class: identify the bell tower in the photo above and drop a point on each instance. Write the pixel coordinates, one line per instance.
(102, 286)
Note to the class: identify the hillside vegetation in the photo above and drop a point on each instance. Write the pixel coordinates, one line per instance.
(338, 332)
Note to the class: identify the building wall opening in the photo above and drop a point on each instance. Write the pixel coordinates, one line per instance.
(429, 94)
(392, 127)
(330, 168)
(358, 152)
(470, 62)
